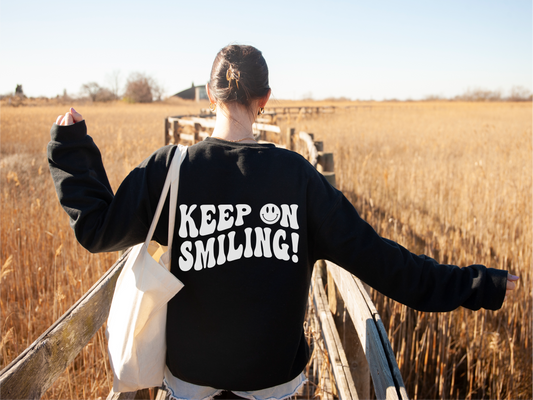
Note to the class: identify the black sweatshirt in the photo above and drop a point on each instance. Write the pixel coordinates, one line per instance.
(252, 220)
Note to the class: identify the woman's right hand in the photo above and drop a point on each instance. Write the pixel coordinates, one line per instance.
(69, 118)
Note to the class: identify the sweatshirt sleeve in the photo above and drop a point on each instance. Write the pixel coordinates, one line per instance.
(103, 221)
(419, 282)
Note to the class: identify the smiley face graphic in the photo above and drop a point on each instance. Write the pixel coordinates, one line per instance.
(270, 214)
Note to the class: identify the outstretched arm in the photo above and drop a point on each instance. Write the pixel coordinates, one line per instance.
(103, 220)
(417, 281)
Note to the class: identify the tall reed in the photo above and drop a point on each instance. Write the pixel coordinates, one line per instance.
(452, 181)
(449, 180)
(43, 269)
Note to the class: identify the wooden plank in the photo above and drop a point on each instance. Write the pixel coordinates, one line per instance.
(182, 121)
(313, 153)
(188, 117)
(268, 128)
(187, 136)
(396, 374)
(357, 306)
(337, 356)
(143, 394)
(205, 122)
(350, 340)
(37, 367)
(162, 394)
(121, 395)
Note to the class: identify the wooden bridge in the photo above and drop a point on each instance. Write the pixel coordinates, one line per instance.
(346, 335)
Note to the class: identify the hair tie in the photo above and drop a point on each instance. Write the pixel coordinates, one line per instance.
(232, 75)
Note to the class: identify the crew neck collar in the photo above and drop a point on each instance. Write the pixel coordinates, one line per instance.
(213, 140)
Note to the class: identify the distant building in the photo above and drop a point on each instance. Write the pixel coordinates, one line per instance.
(19, 92)
(196, 93)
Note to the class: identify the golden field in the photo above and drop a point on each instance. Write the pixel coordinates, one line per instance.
(450, 180)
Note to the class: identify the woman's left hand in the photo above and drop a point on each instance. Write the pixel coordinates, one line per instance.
(511, 283)
(69, 118)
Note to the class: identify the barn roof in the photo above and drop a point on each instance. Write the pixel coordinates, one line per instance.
(193, 93)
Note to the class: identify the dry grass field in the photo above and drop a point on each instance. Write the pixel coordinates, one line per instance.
(44, 270)
(450, 180)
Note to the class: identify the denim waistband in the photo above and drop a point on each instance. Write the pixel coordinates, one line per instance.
(181, 390)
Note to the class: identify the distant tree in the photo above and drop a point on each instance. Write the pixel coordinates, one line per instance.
(158, 91)
(434, 97)
(113, 80)
(19, 92)
(141, 88)
(340, 98)
(520, 93)
(65, 98)
(91, 89)
(98, 93)
(478, 94)
(105, 94)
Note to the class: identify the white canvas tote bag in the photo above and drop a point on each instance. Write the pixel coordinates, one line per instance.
(137, 318)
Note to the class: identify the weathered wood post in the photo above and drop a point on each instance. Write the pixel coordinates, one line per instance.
(175, 131)
(167, 129)
(288, 138)
(326, 166)
(197, 129)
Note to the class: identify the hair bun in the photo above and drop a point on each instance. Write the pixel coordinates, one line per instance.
(246, 67)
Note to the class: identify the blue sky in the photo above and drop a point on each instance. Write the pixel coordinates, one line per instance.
(377, 50)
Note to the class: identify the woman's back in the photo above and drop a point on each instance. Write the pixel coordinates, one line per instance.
(251, 221)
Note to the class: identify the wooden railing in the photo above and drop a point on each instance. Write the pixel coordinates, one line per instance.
(35, 369)
(292, 110)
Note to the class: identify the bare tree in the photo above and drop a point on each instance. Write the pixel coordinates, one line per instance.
(519, 93)
(104, 94)
(91, 89)
(113, 81)
(158, 91)
(479, 94)
(141, 88)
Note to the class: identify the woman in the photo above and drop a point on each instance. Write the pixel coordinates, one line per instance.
(252, 220)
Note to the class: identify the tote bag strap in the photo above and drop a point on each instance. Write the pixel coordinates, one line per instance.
(172, 176)
(174, 186)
